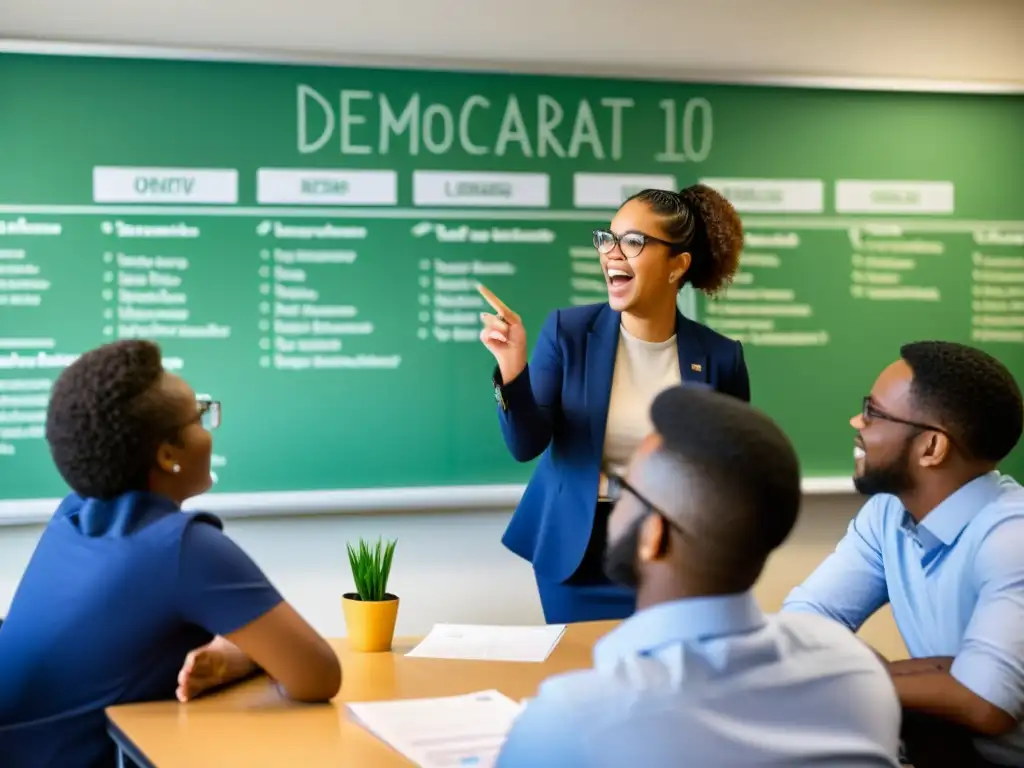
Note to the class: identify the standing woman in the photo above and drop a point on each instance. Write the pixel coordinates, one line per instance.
(584, 398)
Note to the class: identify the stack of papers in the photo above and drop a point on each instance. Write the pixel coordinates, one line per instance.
(450, 732)
(489, 643)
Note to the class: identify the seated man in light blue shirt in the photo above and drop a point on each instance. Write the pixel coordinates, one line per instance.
(699, 677)
(942, 541)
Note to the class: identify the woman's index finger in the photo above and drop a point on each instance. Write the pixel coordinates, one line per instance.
(497, 304)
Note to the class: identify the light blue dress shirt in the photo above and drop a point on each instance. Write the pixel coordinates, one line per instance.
(955, 582)
(711, 683)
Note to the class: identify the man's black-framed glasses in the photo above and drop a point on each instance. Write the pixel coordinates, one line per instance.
(631, 244)
(209, 412)
(870, 411)
(617, 484)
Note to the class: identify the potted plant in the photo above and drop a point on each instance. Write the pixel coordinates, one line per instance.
(371, 610)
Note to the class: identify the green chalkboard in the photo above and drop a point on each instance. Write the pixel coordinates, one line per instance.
(304, 242)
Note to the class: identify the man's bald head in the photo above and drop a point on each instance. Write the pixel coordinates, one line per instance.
(722, 472)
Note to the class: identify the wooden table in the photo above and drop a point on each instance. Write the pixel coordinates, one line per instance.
(252, 726)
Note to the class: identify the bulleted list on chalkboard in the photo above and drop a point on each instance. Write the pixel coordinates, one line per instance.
(31, 353)
(311, 313)
(148, 281)
(297, 331)
(889, 262)
(890, 265)
(764, 305)
(68, 284)
(997, 286)
(902, 249)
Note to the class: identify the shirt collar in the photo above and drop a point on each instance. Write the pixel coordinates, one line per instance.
(693, 619)
(113, 518)
(951, 516)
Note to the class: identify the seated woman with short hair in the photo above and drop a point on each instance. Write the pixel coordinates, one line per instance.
(127, 598)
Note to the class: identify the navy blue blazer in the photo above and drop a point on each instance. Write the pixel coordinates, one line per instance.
(558, 407)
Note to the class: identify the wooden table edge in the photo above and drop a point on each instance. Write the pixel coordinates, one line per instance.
(127, 748)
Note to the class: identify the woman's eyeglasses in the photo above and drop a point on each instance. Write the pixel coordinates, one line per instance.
(209, 413)
(631, 244)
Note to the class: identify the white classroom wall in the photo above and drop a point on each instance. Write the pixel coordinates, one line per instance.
(935, 39)
(451, 567)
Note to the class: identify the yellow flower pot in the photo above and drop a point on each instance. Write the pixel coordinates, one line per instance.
(370, 624)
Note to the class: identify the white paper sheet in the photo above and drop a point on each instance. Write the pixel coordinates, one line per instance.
(452, 732)
(489, 643)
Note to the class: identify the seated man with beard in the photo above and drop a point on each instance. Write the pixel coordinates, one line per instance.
(699, 676)
(942, 541)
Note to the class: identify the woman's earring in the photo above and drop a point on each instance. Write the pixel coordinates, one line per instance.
(176, 468)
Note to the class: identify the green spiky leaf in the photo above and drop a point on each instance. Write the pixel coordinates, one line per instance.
(371, 566)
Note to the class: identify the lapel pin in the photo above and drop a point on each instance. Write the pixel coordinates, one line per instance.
(696, 367)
